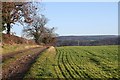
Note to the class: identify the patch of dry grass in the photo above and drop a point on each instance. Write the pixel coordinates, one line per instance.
(7, 48)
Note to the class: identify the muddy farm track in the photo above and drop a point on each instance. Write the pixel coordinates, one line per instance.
(17, 64)
(11, 54)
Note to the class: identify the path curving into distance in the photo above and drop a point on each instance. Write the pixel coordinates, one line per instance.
(17, 67)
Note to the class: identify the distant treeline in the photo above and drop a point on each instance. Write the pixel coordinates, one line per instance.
(87, 40)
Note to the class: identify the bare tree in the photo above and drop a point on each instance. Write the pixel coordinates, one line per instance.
(15, 11)
(38, 31)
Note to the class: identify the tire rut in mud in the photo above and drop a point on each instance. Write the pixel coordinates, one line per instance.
(11, 54)
(18, 68)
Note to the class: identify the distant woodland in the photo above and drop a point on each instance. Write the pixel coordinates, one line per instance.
(88, 40)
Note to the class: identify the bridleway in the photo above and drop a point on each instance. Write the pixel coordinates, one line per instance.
(16, 69)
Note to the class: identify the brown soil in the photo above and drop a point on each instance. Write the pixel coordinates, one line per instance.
(18, 68)
(11, 54)
(12, 39)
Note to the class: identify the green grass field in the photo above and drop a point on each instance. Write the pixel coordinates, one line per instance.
(76, 62)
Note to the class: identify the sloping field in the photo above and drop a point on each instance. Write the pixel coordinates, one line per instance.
(76, 62)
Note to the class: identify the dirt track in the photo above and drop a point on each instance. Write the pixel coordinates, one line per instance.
(11, 54)
(18, 68)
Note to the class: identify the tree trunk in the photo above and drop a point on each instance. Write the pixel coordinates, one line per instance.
(8, 28)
